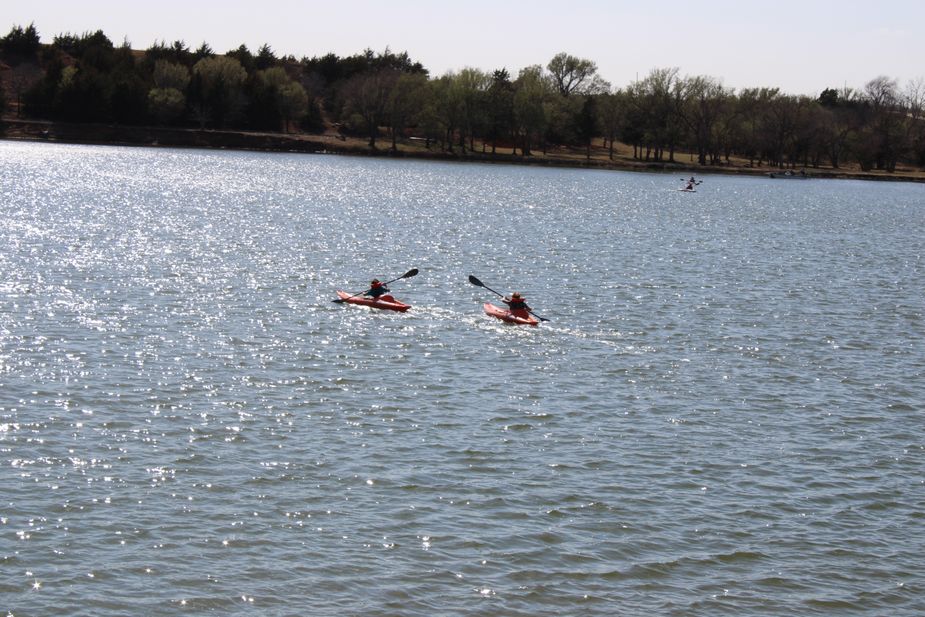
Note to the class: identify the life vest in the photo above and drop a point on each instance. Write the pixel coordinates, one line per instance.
(377, 289)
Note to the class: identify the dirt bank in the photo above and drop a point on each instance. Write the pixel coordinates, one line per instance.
(332, 143)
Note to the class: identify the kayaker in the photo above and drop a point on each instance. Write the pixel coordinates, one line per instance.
(517, 304)
(376, 289)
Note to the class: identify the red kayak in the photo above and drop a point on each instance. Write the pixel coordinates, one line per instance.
(385, 302)
(508, 317)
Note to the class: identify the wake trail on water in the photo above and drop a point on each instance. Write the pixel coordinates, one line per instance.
(592, 337)
(484, 322)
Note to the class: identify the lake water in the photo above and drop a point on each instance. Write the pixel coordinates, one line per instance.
(722, 416)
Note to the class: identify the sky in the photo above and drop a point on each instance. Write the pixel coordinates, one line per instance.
(801, 47)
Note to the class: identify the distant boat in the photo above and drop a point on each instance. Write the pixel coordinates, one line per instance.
(789, 175)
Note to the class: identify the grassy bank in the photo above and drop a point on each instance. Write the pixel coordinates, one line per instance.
(333, 143)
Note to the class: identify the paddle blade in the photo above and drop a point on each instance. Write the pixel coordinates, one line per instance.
(410, 273)
(475, 281)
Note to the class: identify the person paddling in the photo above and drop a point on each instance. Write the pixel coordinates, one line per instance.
(376, 289)
(517, 305)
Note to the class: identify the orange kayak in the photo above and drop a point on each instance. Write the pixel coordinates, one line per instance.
(508, 317)
(385, 302)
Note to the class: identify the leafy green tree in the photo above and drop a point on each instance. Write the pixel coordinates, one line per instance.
(655, 103)
(82, 95)
(612, 112)
(129, 92)
(90, 49)
(292, 102)
(285, 99)
(166, 104)
(20, 43)
(531, 92)
(448, 107)
(170, 75)
(243, 55)
(203, 51)
(562, 120)
(330, 72)
(405, 102)
(500, 108)
(178, 53)
(469, 87)
(587, 122)
(633, 124)
(429, 118)
(829, 98)
(265, 58)
(216, 85)
(38, 99)
(167, 101)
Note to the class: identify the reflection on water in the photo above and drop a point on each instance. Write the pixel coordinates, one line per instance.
(723, 415)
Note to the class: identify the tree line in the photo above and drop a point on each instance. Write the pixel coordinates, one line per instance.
(388, 97)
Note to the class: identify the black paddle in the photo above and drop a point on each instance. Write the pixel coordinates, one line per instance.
(406, 275)
(479, 283)
(695, 183)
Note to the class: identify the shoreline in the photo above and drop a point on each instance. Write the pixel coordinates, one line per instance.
(208, 139)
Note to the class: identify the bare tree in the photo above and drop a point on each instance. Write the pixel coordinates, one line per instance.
(702, 101)
(882, 96)
(367, 95)
(571, 74)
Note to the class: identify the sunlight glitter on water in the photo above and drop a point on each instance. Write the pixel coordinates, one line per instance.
(186, 419)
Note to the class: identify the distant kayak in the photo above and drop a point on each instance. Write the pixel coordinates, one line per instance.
(687, 190)
(385, 302)
(509, 317)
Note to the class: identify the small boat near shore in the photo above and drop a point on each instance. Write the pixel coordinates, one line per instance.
(789, 175)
